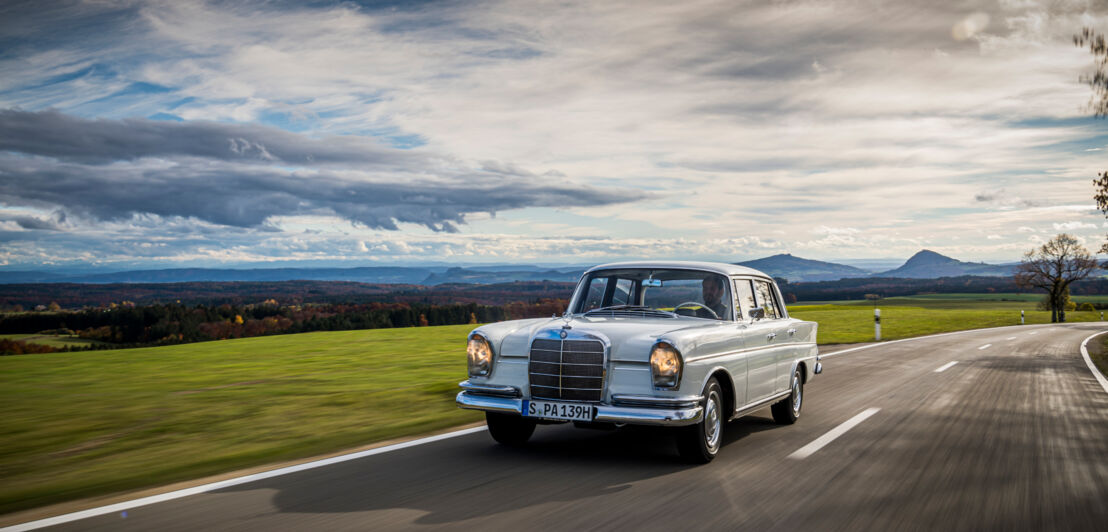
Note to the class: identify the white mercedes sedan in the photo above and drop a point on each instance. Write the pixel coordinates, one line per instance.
(690, 345)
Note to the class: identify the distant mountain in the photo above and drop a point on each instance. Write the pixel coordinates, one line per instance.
(391, 275)
(29, 277)
(370, 275)
(796, 269)
(475, 276)
(930, 265)
(923, 265)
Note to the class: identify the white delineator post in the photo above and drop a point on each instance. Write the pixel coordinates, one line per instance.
(877, 324)
(1021, 317)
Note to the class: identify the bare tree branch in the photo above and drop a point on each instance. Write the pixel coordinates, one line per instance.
(1052, 267)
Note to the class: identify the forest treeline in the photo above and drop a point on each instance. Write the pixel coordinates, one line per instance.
(165, 324)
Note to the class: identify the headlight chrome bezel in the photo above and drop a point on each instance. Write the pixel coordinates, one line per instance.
(479, 356)
(666, 366)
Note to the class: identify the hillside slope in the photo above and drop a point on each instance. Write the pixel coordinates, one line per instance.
(927, 264)
(797, 269)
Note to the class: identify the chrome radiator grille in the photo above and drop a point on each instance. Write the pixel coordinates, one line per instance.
(567, 370)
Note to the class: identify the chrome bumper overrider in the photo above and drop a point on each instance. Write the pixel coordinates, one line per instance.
(635, 410)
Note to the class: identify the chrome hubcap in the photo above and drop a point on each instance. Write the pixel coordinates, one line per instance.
(797, 392)
(712, 421)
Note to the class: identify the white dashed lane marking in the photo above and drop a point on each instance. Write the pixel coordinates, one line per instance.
(945, 367)
(986, 346)
(818, 443)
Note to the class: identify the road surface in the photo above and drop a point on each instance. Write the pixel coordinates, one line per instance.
(991, 429)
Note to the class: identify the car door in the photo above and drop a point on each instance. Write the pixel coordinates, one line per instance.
(779, 344)
(761, 361)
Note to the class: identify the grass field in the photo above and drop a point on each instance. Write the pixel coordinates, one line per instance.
(843, 324)
(1100, 356)
(995, 301)
(52, 340)
(91, 423)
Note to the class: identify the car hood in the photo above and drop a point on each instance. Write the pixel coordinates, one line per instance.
(630, 338)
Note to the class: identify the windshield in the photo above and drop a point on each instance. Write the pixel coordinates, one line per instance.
(682, 292)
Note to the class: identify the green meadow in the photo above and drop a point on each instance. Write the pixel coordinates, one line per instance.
(98, 422)
(52, 340)
(90, 423)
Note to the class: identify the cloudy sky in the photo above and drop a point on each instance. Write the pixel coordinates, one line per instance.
(180, 133)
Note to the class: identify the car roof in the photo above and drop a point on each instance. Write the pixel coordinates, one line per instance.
(717, 267)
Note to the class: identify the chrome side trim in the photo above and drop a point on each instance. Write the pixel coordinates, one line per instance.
(760, 404)
(725, 354)
(490, 389)
(741, 351)
(650, 401)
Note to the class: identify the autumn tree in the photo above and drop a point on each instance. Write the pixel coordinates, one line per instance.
(1098, 102)
(1098, 80)
(1053, 267)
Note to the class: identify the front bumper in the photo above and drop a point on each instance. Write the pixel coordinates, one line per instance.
(627, 409)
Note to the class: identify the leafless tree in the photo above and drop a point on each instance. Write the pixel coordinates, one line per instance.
(1098, 102)
(1098, 80)
(1052, 267)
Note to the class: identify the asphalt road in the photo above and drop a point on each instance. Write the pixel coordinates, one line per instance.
(1013, 436)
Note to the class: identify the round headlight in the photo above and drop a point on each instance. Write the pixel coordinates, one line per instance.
(665, 365)
(478, 356)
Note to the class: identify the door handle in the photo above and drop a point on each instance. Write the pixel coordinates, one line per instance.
(792, 332)
(771, 336)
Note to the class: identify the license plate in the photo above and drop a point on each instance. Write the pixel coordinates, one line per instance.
(552, 410)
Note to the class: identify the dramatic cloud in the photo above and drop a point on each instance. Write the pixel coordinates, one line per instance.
(1073, 226)
(53, 134)
(113, 170)
(258, 131)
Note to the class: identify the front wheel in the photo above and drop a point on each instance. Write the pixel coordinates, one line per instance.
(787, 410)
(509, 429)
(700, 443)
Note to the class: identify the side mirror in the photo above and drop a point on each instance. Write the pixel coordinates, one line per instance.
(757, 313)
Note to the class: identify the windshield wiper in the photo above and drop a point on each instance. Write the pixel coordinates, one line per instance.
(615, 307)
(642, 308)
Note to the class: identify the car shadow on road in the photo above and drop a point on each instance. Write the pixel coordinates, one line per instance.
(472, 476)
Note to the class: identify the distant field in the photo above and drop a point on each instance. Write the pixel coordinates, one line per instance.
(904, 317)
(52, 340)
(1100, 356)
(995, 301)
(89, 423)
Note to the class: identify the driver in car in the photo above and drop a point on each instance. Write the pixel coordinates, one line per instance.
(712, 288)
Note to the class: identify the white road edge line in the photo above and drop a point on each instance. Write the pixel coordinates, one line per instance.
(946, 366)
(204, 488)
(1089, 362)
(831, 435)
(879, 344)
(986, 346)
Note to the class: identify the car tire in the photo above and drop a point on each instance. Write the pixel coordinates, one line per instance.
(509, 429)
(787, 410)
(700, 443)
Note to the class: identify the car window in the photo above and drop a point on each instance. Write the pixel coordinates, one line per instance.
(622, 294)
(767, 300)
(594, 293)
(744, 294)
(691, 293)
